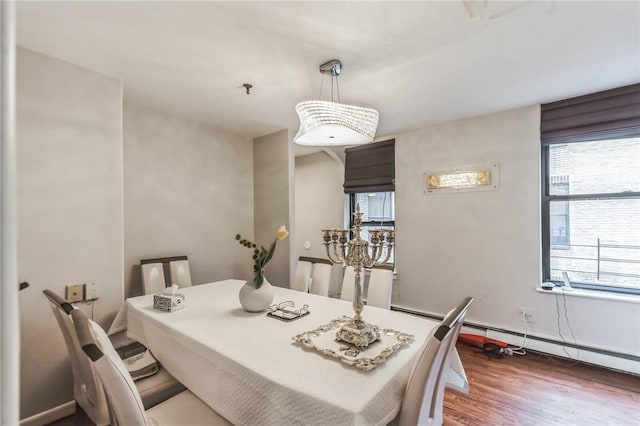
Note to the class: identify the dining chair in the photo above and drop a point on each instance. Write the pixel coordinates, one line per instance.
(321, 279)
(380, 285)
(87, 388)
(424, 395)
(348, 283)
(454, 320)
(152, 278)
(125, 404)
(302, 276)
(180, 272)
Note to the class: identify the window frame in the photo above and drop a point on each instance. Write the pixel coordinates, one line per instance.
(603, 116)
(547, 198)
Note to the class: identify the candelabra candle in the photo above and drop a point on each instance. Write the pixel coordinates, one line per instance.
(359, 254)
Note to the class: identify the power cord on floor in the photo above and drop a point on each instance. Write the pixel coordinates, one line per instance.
(521, 349)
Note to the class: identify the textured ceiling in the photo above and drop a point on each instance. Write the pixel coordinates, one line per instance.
(418, 63)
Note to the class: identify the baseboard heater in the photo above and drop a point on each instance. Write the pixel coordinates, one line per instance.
(529, 336)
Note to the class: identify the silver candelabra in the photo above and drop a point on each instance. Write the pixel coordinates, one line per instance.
(359, 254)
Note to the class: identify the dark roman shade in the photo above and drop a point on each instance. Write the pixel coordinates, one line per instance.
(612, 114)
(370, 168)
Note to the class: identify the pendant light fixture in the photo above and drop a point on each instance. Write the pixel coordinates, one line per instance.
(324, 123)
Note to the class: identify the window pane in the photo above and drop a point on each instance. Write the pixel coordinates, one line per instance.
(364, 233)
(376, 206)
(559, 222)
(605, 242)
(595, 167)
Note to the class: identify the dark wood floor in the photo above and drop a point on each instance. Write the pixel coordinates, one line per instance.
(538, 390)
(531, 390)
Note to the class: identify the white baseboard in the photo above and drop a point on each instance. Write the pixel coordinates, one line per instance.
(621, 362)
(584, 355)
(51, 415)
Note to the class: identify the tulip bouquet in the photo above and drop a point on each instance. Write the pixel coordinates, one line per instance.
(261, 255)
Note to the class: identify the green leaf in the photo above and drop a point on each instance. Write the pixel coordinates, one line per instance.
(258, 279)
(272, 250)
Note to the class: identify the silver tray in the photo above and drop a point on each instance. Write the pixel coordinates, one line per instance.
(322, 339)
(286, 311)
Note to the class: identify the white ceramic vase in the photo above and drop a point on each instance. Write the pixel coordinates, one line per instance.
(256, 300)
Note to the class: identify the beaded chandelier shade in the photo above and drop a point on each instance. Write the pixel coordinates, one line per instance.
(324, 123)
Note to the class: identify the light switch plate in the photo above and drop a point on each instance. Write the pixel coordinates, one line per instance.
(91, 291)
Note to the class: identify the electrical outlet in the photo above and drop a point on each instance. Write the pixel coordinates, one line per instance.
(74, 293)
(527, 315)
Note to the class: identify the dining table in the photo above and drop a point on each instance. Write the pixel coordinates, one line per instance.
(248, 367)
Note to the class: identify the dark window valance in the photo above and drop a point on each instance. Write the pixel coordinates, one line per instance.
(612, 114)
(370, 168)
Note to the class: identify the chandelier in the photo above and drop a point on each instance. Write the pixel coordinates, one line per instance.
(326, 123)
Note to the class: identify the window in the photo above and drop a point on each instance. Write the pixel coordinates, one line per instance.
(369, 176)
(591, 192)
(378, 212)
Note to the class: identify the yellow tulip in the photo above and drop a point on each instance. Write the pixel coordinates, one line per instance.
(282, 233)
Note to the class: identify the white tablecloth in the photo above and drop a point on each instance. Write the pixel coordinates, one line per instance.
(248, 369)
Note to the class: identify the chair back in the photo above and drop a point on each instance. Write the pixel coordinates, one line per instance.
(87, 389)
(380, 284)
(156, 271)
(348, 283)
(454, 320)
(125, 405)
(180, 273)
(302, 276)
(321, 279)
(416, 404)
(152, 278)
(424, 395)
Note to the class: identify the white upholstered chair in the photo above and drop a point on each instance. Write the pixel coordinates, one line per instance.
(348, 283)
(380, 285)
(424, 396)
(321, 279)
(152, 278)
(180, 272)
(125, 405)
(302, 276)
(87, 388)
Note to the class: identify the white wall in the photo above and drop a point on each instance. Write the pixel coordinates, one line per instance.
(273, 201)
(69, 142)
(188, 189)
(487, 244)
(319, 201)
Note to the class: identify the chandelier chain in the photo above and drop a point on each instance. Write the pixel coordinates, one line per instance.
(321, 83)
(335, 73)
(332, 78)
